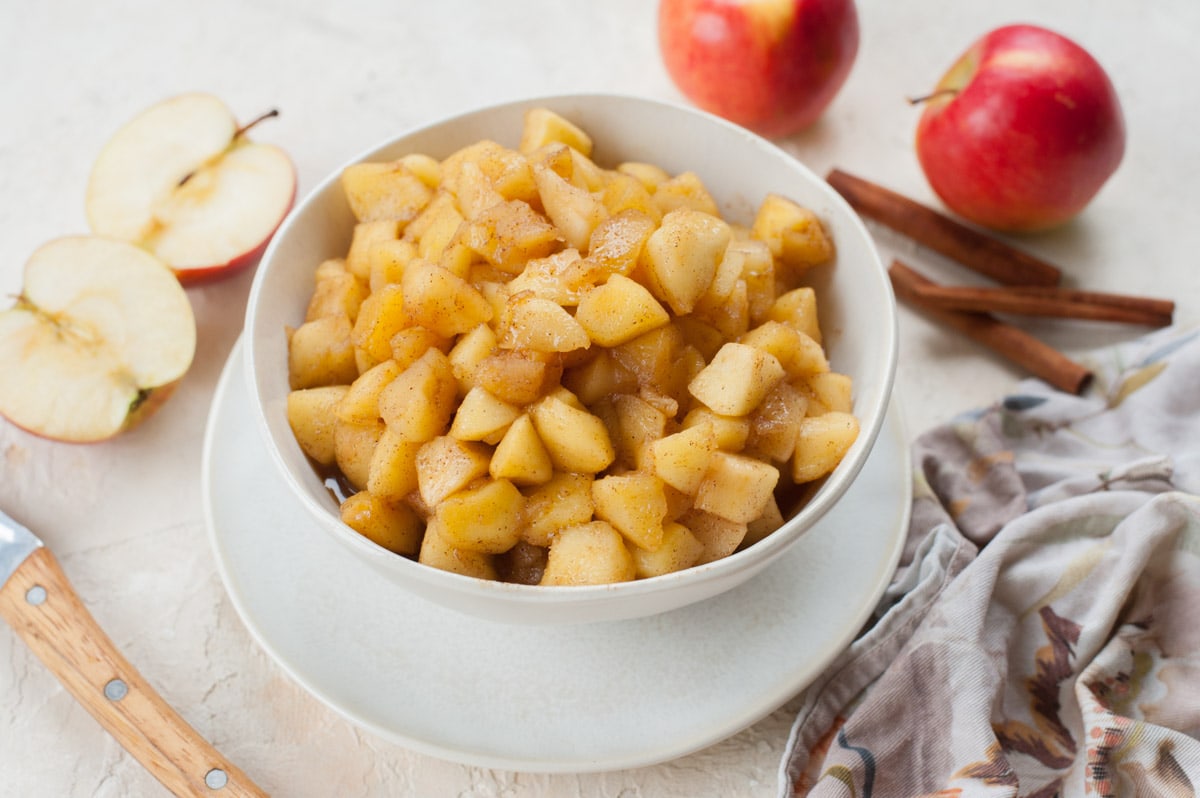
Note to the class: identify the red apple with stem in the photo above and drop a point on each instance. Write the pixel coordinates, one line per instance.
(1022, 131)
(772, 66)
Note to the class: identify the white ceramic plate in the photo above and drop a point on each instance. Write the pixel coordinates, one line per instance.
(577, 698)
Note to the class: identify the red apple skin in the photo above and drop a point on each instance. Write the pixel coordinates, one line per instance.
(772, 66)
(1029, 137)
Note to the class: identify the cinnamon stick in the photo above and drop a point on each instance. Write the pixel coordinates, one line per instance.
(1010, 342)
(1063, 303)
(976, 251)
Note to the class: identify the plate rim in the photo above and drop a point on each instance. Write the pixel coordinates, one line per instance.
(892, 425)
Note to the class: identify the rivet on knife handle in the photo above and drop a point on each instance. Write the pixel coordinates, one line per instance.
(40, 604)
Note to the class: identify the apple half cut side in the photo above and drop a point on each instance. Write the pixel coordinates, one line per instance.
(98, 339)
(183, 181)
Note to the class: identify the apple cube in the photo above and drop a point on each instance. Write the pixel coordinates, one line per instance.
(409, 344)
(573, 210)
(599, 377)
(320, 353)
(517, 376)
(617, 242)
(441, 301)
(381, 316)
(360, 404)
(821, 444)
(679, 549)
(736, 488)
(730, 432)
(737, 379)
(310, 414)
(486, 519)
(384, 191)
(798, 353)
(386, 261)
(685, 190)
(719, 536)
(367, 236)
(648, 174)
(474, 190)
(468, 352)
(776, 423)
(542, 126)
(798, 308)
(562, 277)
(419, 402)
(520, 457)
(765, 524)
(483, 417)
(541, 325)
(392, 474)
(447, 465)
(510, 234)
(624, 194)
(619, 311)
(637, 424)
(680, 257)
(681, 459)
(635, 504)
(437, 552)
(353, 447)
(830, 391)
(794, 233)
(576, 440)
(564, 501)
(337, 294)
(394, 526)
(589, 554)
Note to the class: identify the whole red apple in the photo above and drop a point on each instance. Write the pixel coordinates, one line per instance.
(769, 65)
(1022, 131)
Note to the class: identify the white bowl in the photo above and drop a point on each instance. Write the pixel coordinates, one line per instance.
(856, 308)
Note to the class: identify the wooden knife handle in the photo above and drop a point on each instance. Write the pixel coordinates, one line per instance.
(40, 604)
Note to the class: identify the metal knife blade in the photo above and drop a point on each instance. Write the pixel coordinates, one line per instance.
(38, 601)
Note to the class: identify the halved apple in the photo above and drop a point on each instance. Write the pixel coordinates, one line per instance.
(183, 181)
(98, 339)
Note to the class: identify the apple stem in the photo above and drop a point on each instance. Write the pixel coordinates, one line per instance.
(241, 131)
(924, 98)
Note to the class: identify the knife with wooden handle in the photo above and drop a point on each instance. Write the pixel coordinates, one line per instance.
(37, 600)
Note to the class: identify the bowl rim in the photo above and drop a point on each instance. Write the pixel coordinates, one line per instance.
(754, 556)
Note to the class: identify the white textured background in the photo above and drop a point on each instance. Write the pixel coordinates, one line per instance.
(125, 517)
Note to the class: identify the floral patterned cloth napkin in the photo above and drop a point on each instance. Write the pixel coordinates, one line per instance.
(1042, 634)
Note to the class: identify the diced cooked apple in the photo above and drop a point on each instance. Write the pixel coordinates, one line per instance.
(564, 501)
(520, 457)
(439, 230)
(680, 257)
(337, 294)
(648, 174)
(833, 391)
(682, 459)
(441, 301)
(651, 358)
(353, 447)
(736, 487)
(387, 260)
(446, 465)
(360, 404)
(617, 242)
(511, 234)
(635, 504)
(625, 193)
(409, 344)
(419, 402)
(758, 272)
(320, 353)
(437, 552)
(737, 379)
(384, 191)
(541, 325)
(730, 432)
(310, 414)
(486, 519)
(543, 126)
(775, 424)
(367, 236)
(637, 424)
(765, 524)
(380, 317)
(685, 190)
(589, 554)
(719, 536)
(796, 351)
(794, 233)
(468, 352)
(392, 474)
(619, 311)
(573, 210)
(600, 376)
(576, 440)
(679, 549)
(483, 417)
(393, 525)
(516, 376)
(474, 190)
(798, 308)
(821, 444)
(562, 277)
